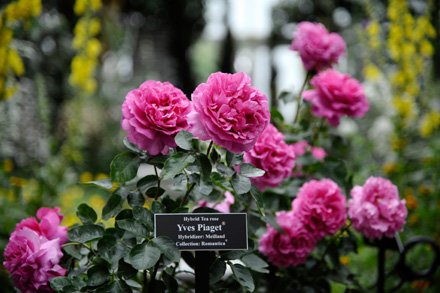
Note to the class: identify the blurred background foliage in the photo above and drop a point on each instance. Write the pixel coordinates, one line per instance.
(66, 65)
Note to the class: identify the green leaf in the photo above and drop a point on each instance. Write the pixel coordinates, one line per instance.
(104, 183)
(170, 204)
(225, 171)
(221, 182)
(233, 159)
(285, 96)
(97, 275)
(78, 282)
(249, 170)
(154, 192)
(214, 155)
(135, 198)
(205, 166)
(273, 222)
(114, 205)
(257, 195)
(134, 227)
(243, 276)
(58, 283)
(118, 286)
(86, 214)
(167, 247)
(125, 270)
(217, 271)
(143, 256)
(234, 254)
(146, 182)
(184, 139)
(110, 248)
(240, 184)
(144, 216)
(170, 282)
(255, 263)
(124, 167)
(85, 233)
(175, 164)
(274, 113)
(158, 208)
(132, 146)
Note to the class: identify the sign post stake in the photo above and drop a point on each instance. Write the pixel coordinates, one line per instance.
(202, 271)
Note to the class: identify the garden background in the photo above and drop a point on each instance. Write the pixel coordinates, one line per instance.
(66, 66)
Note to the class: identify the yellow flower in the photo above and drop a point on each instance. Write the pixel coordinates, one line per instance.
(80, 7)
(95, 5)
(397, 144)
(429, 123)
(101, 176)
(405, 107)
(371, 71)
(96, 202)
(8, 165)
(426, 48)
(390, 167)
(95, 26)
(16, 181)
(86, 177)
(93, 47)
(424, 190)
(412, 219)
(344, 260)
(411, 202)
(15, 62)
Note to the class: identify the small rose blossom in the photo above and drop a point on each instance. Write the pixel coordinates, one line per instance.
(321, 207)
(335, 95)
(375, 208)
(153, 114)
(34, 251)
(271, 154)
(223, 207)
(317, 47)
(290, 248)
(229, 111)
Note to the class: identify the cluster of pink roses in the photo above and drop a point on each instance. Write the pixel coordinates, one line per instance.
(226, 109)
(319, 210)
(34, 251)
(335, 94)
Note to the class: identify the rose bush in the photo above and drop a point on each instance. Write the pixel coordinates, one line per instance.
(271, 154)
(317, 47)
(375, 208)
(335, 95)
(153, 114)
(229, 111)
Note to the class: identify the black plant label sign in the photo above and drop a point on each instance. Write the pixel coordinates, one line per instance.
(208, 231)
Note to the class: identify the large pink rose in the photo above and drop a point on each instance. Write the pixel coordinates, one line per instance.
(375, 208)
(321, 207)
(229, 111)
(316, 46)
(335, 95)
(271, 154)
(287, 249)
(49, 226)
(223, 206)
(34, 251)
(153, 114)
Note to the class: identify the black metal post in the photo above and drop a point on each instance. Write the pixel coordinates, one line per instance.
(202, 271)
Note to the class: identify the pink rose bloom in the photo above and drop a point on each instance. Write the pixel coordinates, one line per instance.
(318, 153)
(271, 154)
(299, 148)
(153, 114)
(229, 111)
(49, 226)
(336, 94)
(287, 249)
(321, 207)
(223, 207)
(316, 46)
(34, 251)
(375, 208)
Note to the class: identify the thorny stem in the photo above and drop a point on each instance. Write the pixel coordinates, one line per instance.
(209, 148)
(144, 290)
(186, 194)
(336, 236)
(153, 276)
(308, 76)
